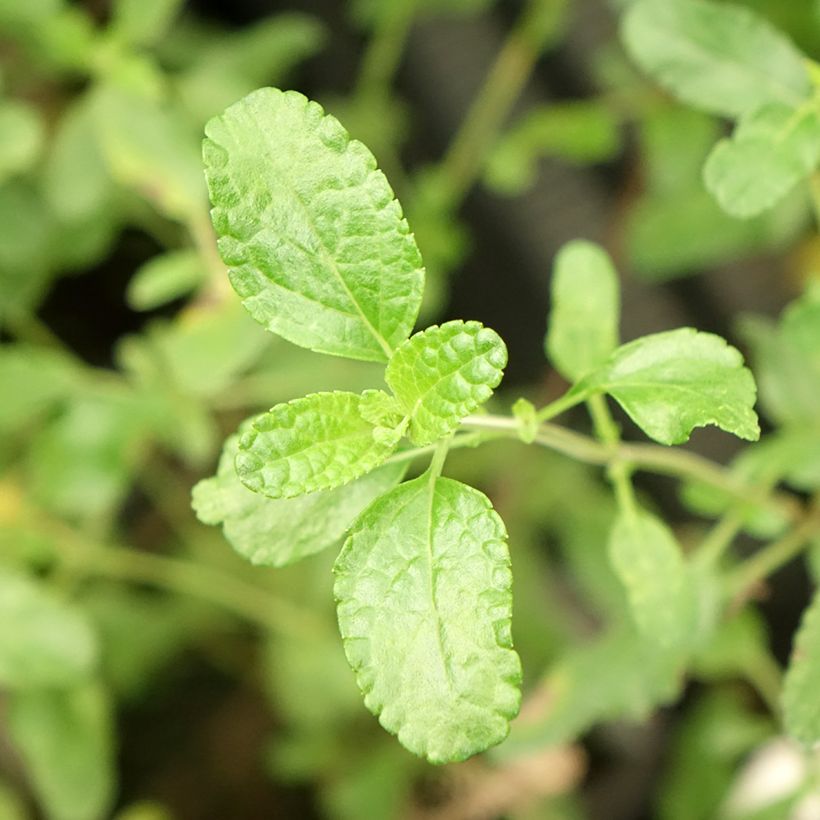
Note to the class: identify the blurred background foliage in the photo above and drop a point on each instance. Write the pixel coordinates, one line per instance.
(147, 672)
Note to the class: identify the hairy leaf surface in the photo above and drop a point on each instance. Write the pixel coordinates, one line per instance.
(445, 373)
(773, 148)
(313, 235)
(801, 704)
(424, 603)
(718, 57)
(583, 325)
(649, 562)
(669, 383)
(314, 443)
(276, 532)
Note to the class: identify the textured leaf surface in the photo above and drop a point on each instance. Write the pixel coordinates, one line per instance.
(277, 532)
(583, 325)
(649, 562)
(445, 373)
(65, 738)
(773, 148)
(314, 443)
(721, 58)
(43, 641)
(313, 235)
(669, 383)
(801, 703)
(424, 603)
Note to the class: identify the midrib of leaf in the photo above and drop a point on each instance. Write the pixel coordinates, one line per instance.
(327, 256)
(431, 490)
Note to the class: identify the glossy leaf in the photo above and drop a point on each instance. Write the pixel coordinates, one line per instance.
(648, 560)
(43, 640)
(314, 443)
(801, 705)
(65, 739)
(773, 148)
(424, 603)
(718, 57)
(313, 235)
(277, 532)
(445, 373)
(583, 323)
(669, 383)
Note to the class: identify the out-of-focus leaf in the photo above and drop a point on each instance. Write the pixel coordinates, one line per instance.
(733, 649)
(145, 810)
(21, 137)
(580, 132)
(772, 149)
(585, 309)
(65, 739)
(143, 22)
(11, 806)
(164, 278)
(276, 532)
(43, 640)
(371, 13)
(801, 706)
(718, 57)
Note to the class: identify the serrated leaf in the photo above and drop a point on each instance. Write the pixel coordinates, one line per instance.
(164, 278)
(773, 148)
(719, 57)
(314, 443)
(424, 604)
(801, 704)
(310, 229)
(43, 640)
(278, 532)
(648, 560)
(585, 313)
(445, 373)
(65, 738)
(669, 383)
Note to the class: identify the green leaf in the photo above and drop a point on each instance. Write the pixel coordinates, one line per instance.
(43, 640)
(313, 235)
(773, 149)
(164, 278)
(718, 57)
(143, 22)
(583, 325)
(443, 374)
(279, 532)
(314, 443)
(669, 383)
(21, 137)
(424, 604)
(648, 560)
(801, 704)
(65, 738)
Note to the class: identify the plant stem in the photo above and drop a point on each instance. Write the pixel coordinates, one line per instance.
(560, 405)
(719, 538)
(463, 161)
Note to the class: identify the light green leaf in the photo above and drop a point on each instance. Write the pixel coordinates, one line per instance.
(314, 443)
(65, 738)
(583, 324)
(801, 704)
(143, 22)
(164, 278)
(773, 148)
(580, 132)
(424, 604)
(445, 373)
(669, 383)
(279, 532)
(311, 230)
(21, 137)
(43, 640)
(718, 57)
(648, 560)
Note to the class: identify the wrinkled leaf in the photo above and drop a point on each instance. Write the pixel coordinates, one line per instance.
(313, 235)
(314, 443)
(423, 591)
(583, 323)
(718, 57)
(443, 374)
(278, 532)
(669, 383)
